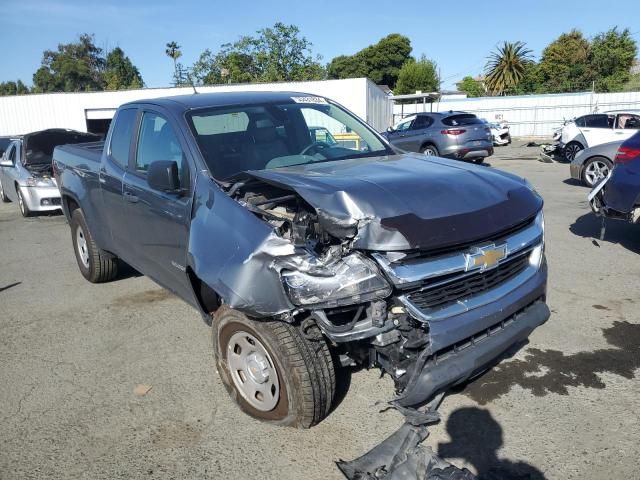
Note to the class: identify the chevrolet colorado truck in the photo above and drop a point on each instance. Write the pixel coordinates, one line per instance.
(304, 255)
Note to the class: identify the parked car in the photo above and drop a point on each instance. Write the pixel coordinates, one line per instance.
(596, 129)
(449, 134)
(300, 254)
(499, 132)
(593, 164)
(618, 195)
(26, 172)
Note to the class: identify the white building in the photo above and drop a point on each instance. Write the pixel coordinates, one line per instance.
(93, 111)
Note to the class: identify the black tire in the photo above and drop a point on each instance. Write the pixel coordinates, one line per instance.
(100, 266)
(3, 196)
(304, 368)
(571, 149)
(430, 148)
(24, 209)
(508, 139)
(603, 164)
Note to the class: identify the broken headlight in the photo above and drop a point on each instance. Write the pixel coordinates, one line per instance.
(353, 279)
(40, 182)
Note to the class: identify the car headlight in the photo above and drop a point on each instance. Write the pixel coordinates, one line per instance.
(40, 182)
(353, 279)
(537, 254)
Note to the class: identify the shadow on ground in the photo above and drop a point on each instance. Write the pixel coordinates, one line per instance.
(616, 231)
(476, 438)
(551, 371)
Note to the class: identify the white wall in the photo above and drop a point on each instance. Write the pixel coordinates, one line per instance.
(532, 115)
(29, 113)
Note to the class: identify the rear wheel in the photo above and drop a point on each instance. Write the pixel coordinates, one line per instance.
(429, 150)
(571, 150)
(24, 209)
(95, 264)
(595, 169)
(272, 370)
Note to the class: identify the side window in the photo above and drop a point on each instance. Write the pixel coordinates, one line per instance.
(404, 125)
(580, 122)
(12, 154)
(628, 121)
(158, 141)
(597, 121)
(421, 121)
(121, 136)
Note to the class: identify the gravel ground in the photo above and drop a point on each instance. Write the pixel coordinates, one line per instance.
(72, 355)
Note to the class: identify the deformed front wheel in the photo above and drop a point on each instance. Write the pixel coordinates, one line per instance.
(95, 264)
(272, 370)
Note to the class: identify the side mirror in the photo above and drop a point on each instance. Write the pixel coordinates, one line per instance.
(162, 175)
(6, 163)
(391, 130)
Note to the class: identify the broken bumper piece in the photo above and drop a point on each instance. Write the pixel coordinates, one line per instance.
(460, 364)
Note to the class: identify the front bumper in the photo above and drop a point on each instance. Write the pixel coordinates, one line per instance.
(41, 199)
(484, 334)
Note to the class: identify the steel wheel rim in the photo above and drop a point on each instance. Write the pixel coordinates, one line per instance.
(595, 171)
(253, 371)
(571, 151)
(81, 246)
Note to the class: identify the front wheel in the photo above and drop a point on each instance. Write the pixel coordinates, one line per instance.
(272, 370)
(24, 209)
(95, 264)
(3, 196)
(595, 169)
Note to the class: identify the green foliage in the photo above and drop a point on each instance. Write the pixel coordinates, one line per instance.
(120, 73)
(506, 67)
(421, 75)
(472, 87)
(611, 56)
(81, 67)
(73, 67)
(174, 53)
(276, 54)
(13, 88)
(633, 84)
(564, 66)
(380, 62)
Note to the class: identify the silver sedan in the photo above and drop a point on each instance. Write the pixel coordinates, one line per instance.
(593, 164)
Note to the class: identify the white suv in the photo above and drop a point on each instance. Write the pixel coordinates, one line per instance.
(597, 128)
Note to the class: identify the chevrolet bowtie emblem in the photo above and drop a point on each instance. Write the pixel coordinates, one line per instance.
(486, 257)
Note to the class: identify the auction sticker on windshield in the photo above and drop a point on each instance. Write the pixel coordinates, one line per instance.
(309, 100)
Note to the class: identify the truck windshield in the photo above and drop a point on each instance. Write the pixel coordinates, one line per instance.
(256, 137)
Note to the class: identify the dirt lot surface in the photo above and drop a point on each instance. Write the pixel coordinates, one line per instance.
(77, 361)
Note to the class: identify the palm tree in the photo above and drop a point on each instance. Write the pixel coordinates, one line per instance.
(173, 52)
(506, 67)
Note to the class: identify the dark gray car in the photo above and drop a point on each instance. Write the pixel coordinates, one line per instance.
(593, 164)
(449, 134)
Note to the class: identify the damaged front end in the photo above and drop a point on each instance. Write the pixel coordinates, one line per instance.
(429, 318)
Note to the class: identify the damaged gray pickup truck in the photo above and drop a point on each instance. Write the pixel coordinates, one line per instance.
(304, 255)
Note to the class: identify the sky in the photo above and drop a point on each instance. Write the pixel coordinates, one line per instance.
(457, 35)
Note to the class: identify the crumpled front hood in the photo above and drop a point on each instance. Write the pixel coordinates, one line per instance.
(408, 201)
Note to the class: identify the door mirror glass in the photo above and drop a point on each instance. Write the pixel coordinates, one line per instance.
(162, 175)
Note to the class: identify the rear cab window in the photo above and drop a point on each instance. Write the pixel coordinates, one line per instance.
(120, 142)
(461, 119)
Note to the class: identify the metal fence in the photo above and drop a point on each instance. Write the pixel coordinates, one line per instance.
(530, 115)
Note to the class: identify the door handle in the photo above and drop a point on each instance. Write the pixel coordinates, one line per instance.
(130, 197)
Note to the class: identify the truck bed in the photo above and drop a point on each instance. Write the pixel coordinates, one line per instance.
(78, 154)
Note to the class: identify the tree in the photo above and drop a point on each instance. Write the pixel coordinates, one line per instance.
(74, 67)
(380, 62)
(120, 73)
(472, 87)
(506, 67)
(13, 88)
(564, 66)
(421, 75)
(276, 54)
(611, 56)
(173, 52)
